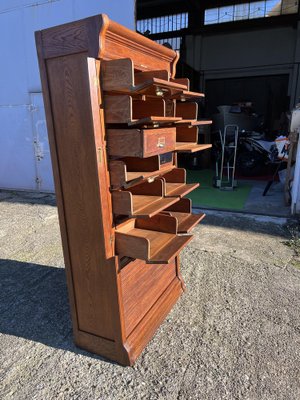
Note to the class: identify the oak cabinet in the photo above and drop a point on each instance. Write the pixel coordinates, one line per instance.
(116, 117)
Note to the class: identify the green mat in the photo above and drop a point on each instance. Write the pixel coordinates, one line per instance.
(208, 196)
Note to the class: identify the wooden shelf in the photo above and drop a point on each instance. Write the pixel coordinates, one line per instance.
(182, 211)
(140, 206)
(154, 240)
(194, 122)
(187, 147)
(123, 109)
(186, 95)
(186, 221)
(175, 183)
(179, 189)
(142, 201)
(154, 121)
(131, 171)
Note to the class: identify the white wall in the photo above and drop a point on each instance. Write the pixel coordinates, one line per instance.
(24, 151)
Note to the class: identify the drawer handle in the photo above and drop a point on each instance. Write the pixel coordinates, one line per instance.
(161, 142)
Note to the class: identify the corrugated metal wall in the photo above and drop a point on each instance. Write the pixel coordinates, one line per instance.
(24, 150)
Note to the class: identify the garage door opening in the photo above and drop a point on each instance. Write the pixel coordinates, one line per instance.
(255, 111)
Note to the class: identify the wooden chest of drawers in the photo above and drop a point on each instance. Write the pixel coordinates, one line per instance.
(116, 118)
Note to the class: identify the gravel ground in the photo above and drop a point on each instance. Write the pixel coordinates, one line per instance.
(235, 333)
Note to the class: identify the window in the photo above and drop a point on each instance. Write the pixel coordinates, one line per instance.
(167, 23)
(175, 42)
(257, 9)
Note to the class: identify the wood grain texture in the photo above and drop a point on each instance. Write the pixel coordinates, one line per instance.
(100, 145)
(57, 181)
(132, 246)
(105, 39)
(155, 188)
(165, 254)
(107, 348)
(160, 245)
(187, 110)
(149, 107)
(141, 77)
(158, 223)
(121, 178)
(186, 221)
(145, 330)
(187, 134)
(179, 189)
(193, 122)
(140, 142)
(115, 308)
(118, 109)
(142, 285)
(182, 81)
(177, 175)
(141, 206)
(121, 109)
(135, 164)
(65, 39)
(186, 95)
(183, 205)
(117, 74)
(78, 172)
(188, 147)
(146, 54)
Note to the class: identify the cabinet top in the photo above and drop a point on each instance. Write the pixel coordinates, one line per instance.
(102, 38)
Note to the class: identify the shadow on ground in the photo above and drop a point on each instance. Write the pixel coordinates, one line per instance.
(34, 305)
(10, 196)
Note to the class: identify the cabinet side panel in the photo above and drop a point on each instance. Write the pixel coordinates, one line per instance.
(75, 142)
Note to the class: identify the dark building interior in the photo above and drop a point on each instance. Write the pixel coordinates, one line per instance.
(241, 54)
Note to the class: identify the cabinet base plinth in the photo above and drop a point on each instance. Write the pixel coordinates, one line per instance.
(126, 353)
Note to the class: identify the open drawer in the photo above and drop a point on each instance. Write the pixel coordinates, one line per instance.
(119, 76)
(154, 240)
(187, 140)
(182, 211)
(123, 109)
(132, 170)
(140, 142)
(175, 183)
(189, 113)
(143, 201)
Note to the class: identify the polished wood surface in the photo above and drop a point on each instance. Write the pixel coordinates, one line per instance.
(111, 97)
(188, 147)
(140, 142)
(142, 285)
(175, 183)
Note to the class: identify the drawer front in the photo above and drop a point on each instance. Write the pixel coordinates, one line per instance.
(159, 141)
(142, 285)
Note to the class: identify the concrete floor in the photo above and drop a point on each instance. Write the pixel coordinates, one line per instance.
(235, 333)
(271, 204)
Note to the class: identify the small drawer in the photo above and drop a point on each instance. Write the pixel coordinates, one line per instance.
(123, 109)
(182, 211)
(131, 170)
(119, 76)
(140, 142)
(175, 183)
(141, 201)
(187, 140)
(154, 240)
